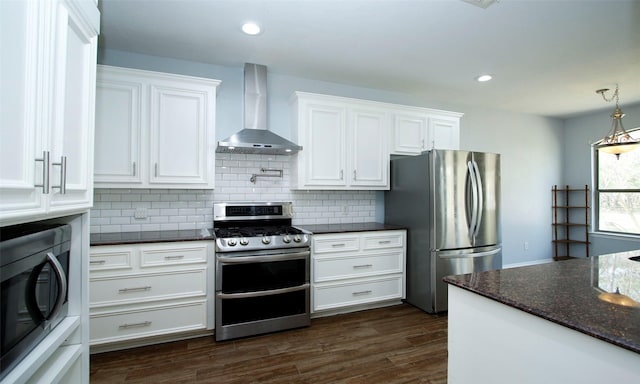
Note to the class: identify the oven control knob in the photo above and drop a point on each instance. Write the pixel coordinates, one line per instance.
(286, 239)
(266, 240)
(244, 241)
(297, 238)
(232, 242)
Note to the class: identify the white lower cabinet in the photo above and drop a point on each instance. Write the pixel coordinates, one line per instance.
(357, 270)
(139, 292)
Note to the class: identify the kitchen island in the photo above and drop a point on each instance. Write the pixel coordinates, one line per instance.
(548, 323)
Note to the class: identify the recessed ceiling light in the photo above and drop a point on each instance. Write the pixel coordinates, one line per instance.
(251, 28)
(483, 78)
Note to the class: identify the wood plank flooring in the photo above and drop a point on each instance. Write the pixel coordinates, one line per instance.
(398, 344)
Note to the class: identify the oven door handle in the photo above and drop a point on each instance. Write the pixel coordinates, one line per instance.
(244, 295)
(263, 259)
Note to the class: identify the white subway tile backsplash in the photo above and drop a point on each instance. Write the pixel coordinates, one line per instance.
(181, 209)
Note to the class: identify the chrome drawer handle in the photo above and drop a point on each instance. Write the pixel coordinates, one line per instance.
(361, 293)
(45, 172)
(136, 289)
(363, 266)
(174, 257)
(384, 242)
(134, 325)
(338, 245)
(98, 262)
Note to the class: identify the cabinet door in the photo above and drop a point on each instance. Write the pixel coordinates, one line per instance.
(443, 133)
(118, 129)
(20, 127)
(368, 153)
(71, 141)
(180, 135)
(409, 131)
(325, 127)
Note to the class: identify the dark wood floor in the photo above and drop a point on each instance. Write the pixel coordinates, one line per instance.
(398, 344)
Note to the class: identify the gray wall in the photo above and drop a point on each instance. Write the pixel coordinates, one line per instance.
(533, 148)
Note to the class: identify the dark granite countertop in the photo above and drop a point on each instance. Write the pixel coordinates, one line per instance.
(353, 227)
(568, 293)
(116, 238)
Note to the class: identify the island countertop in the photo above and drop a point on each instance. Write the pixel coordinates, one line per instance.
(570, 293)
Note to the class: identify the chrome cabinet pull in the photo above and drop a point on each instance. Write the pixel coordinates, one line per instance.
(338, 245)
(362, 266)
(361, 293)
(354, 175)
(176, 257)
(341, 174)
(134, 168)
(97, 262)
(156, 169)
(45, 173)
(384, 242)
(63, 175)
(135, 289)
(134, 325)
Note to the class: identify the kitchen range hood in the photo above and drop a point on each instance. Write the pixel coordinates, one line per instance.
(255, 137)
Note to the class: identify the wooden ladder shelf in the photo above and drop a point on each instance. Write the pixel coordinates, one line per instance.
(570, 222)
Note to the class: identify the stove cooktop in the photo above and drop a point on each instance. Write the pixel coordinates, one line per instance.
(257, 231)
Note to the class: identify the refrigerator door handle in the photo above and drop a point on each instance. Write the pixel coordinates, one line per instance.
(474, 199)
(480, 199)
(471, 255)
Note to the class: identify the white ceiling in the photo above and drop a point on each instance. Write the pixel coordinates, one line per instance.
(548, 57)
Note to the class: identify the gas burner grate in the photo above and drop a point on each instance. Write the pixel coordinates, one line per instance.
(256, 231)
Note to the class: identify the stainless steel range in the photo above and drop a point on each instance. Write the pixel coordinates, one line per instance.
(262, 269)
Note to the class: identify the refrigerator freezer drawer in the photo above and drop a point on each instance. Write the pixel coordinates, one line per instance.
(459, 263)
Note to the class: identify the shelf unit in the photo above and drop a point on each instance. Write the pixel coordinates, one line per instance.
(570, 222)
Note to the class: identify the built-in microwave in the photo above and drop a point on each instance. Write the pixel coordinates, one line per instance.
(34, 269)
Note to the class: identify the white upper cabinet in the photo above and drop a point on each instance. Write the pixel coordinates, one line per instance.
(419, 129)
(47, 77)
(344, 144)
(72, 134)
(118, 149)
(368, 152)
(154, 130)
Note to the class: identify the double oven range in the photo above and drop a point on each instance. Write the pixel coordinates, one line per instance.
(262, 270)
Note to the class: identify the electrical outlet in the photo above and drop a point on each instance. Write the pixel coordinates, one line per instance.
(526, 245)
(140, 213)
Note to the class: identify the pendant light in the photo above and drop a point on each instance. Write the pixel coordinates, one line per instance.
(617, 140)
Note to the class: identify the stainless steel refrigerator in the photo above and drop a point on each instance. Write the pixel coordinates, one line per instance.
(450, 203)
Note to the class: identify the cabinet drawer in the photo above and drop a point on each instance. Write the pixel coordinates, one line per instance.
(325, 269)
(126, 325)
(126, 289)
(183, 254)
(345, 243)
(383, 239)
(101, 260)
(357, 292)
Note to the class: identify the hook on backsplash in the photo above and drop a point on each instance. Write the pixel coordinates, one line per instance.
(264, 170)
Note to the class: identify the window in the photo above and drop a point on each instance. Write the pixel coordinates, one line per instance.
(617, 193)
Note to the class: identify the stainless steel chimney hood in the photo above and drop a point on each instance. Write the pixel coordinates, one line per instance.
(255, 137)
